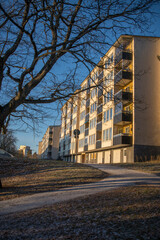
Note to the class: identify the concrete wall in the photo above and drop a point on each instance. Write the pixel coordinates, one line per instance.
(99, 157)
(147, 91)
(55, 143)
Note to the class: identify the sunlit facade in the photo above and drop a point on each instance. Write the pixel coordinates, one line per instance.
(49, 146)
(117, 108)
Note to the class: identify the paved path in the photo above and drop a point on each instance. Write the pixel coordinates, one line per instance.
(118, 177)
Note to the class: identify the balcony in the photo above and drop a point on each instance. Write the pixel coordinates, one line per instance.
(100, 92)
(87, 118)
(124, 56)
(100, 76)
(122, 96)
(99, 109)
(98, 144)
(85, 147)
(86, 132)
(87, 103)
(99, 126)
(123, 118)
(122, 78)
(122, 138)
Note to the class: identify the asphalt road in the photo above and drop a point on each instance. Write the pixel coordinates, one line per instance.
(119, 177)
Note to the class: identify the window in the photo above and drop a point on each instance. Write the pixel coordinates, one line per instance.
(109, 61)
(111, 94)
(75, 109)
(93, 92)
(82, 128)
(111, 113)
(82, 115)
(105, 116)
(127, 129)
(118, 108)
(86, 141)
(92, 139)
(127, 89)
(81, 143)
(69, 105)
(83, 102)
(108, 115)
(94, 76)
(120, 130)
(74, 121)
(67, 126)
(107, 134)
(93, 107)
(109, 78)
(111, 57)
(127, 109)
(69, 115)
(110, 133)
(92, 123)
(108, 96)
(104, 135)
(93, 157)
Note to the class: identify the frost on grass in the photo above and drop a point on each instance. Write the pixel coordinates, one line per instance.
(22, 177)
(124, 214)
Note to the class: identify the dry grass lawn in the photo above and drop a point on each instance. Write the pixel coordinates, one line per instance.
(22, 177)
(150, 166)
(129, 213)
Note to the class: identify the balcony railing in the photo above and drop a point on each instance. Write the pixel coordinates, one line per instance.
(123, 96)
(88, 103)
(86, 147)
(99, 109)
(122, 78)
(123, 55)
(99, 126)
(86, 131)
(100, 76)
(88, 91)
(98, 144)
(100, 92)
(123, 118)
(122, 138)
(87, 118)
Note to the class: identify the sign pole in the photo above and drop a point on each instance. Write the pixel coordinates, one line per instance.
(76, 135)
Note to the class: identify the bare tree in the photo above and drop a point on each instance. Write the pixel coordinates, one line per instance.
(38, 34)
(8, 142)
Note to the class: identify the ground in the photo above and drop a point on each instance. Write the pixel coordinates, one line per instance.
(129, 213)
(21, 177)
(150, 166)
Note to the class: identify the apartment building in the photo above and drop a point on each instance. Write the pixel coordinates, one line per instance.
(49, 146)
(25, 151)
(117, 108)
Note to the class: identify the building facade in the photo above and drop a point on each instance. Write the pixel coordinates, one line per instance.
(117, 108)
(25, 151)
(49, 146)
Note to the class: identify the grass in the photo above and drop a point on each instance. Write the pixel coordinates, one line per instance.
(127, 213)
(22, 177)
(150, 166)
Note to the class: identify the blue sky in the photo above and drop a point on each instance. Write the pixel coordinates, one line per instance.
(31, 138)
